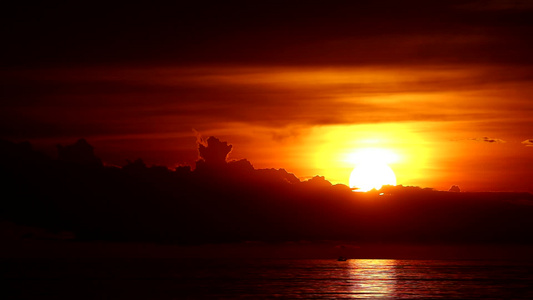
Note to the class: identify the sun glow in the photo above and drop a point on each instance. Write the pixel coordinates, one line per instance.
(340, 148)
(370, 175)
(371, 170)
(371, 154)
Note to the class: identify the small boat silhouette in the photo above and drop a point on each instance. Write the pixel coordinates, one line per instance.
(342, 258)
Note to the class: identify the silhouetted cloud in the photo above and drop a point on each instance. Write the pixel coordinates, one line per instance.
(454, 188)
(80, 152)
(214, 152)
(528, 143)
(223, 201)
(318, 182)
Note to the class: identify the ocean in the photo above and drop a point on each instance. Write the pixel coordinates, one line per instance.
(265, 279)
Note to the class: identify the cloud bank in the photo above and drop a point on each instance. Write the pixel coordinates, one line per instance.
(230, 201)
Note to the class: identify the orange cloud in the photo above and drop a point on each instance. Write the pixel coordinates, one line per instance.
(528, 143)
(488, 140)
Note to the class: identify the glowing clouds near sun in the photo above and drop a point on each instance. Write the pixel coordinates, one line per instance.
(338, 149)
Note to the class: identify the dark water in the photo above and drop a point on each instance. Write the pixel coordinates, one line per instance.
(260, 279)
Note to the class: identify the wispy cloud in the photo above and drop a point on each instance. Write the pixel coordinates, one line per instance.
(528, 142)
(488, 140)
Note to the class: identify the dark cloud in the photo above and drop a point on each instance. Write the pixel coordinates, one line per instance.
(80, 153)
(114, 101)
(214, 152)
(273, 32)
(223, 201)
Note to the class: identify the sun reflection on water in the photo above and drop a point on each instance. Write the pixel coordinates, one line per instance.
(372, 278)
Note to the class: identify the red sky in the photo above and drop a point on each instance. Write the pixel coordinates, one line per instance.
(443, 86)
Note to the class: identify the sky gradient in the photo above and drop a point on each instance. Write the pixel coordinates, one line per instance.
(443, 87)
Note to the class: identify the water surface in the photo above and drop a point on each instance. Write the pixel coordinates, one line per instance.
(260, 279)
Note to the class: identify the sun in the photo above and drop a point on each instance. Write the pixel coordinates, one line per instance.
(371, 175)
(371, 170)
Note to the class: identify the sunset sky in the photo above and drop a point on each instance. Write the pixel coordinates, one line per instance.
(441, 90)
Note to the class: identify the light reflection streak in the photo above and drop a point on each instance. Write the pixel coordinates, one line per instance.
(372, 278)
